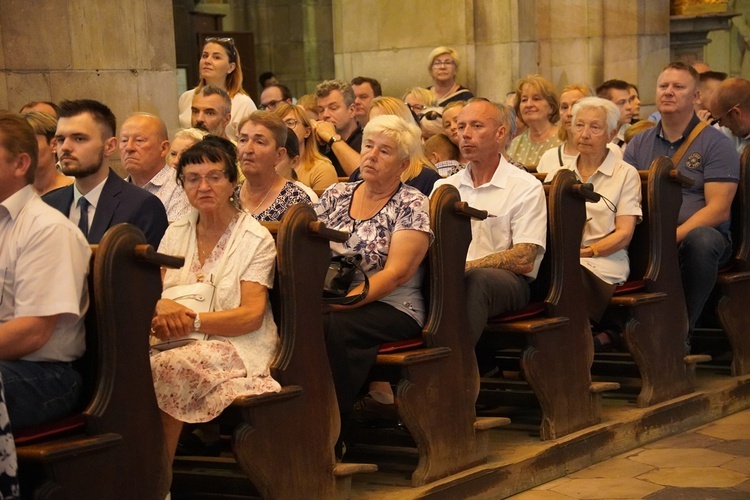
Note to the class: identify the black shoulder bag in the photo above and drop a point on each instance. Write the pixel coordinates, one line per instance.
(339, 279)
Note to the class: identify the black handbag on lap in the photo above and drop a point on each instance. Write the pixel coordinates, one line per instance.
(339, 279)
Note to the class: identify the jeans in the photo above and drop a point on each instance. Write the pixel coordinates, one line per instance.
(703, 251)
(38, 392)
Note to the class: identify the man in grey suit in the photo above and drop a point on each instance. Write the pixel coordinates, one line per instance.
(99, 198)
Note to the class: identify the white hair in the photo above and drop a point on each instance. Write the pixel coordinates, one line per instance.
(611, 111)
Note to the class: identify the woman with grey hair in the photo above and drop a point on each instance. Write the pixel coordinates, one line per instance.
(389, 227)
(611, 221)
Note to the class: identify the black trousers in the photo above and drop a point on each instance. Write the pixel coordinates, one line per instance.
(353, 338)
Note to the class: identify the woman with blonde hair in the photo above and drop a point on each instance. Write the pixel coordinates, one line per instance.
(314, 169)
(420, 173)
(220, 66)
(419, 99)
(538, 107)
(183, 139)
(443, 68)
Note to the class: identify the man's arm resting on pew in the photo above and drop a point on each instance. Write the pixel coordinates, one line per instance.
(518, 259)
(24, 335)
(719, 196)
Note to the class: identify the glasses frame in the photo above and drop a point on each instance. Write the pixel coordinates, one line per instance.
(718, 119)
(201, 178)
(437, 64)
(223, 41)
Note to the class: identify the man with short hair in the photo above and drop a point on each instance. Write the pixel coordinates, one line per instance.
(144, 145)
(443, 154)
(618, 91)
(635, 103)
(709, 83)
(273, 95)
(507, 247)
(365, 90)
(44, 260)
(703, 233)
(99, 198)
(730, 107)
(337, 129)
(211, 110)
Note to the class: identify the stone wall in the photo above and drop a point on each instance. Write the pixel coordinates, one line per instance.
(500, 41)
(120, 53)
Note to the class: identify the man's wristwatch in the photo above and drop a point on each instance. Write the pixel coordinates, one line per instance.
(334, 139)
(197, 323)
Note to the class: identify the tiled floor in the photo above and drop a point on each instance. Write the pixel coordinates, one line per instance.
(709, 462)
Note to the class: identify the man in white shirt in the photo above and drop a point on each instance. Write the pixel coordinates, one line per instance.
(144, 146)
(507, 247)
(42, 303)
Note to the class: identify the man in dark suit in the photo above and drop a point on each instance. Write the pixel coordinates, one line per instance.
(99, 198)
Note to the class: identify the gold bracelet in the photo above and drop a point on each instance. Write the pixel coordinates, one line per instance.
(594, 251)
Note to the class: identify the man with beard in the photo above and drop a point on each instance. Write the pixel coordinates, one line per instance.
(211, 110)
(99, 198)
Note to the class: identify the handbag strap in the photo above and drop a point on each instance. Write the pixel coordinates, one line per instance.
(350, 300)
(685, 145)
(221, 264)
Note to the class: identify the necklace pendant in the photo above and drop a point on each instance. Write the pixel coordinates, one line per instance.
(200, 277)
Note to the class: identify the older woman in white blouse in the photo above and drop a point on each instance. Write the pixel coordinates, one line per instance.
(610, 222)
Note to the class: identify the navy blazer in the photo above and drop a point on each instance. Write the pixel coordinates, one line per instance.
(119, 202)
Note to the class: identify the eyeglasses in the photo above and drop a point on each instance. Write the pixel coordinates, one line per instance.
(593, 128)
(270, 105)
(224, 42)
(436, 64)
(213, 178)
(291, 122)
(723, 115)
(431, 115)
(417, 108)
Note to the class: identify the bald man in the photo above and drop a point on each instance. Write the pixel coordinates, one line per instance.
(730, 107)
(144, 145)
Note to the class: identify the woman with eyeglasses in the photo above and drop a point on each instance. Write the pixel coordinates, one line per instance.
(226, 247)
(314, 169)
(443, 68)
(419, 99)
(558, 157)
(220, 66)
(611, 221)
(421, 173)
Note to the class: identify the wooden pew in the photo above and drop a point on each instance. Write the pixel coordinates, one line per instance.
(734, 281)
(115, 447)
(438, 382)
(556, 347)
(657, 324)
(284, 442)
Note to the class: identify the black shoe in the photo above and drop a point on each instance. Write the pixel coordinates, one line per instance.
(367, 409)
